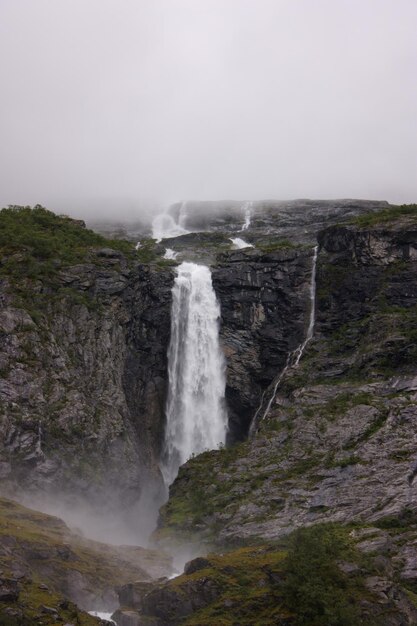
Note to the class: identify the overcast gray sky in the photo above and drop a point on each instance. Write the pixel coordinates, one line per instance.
(124, 103)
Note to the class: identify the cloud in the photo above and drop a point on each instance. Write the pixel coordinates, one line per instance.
(127, 105)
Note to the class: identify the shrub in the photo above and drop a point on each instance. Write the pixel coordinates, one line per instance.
(386, 215)
(315, 589)
(31, 238)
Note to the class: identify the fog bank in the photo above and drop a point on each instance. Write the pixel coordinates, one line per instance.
(113, 108)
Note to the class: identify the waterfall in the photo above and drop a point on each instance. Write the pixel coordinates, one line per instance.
(170, 254)
(182, 215)
(247, 209)
(196, 418)
(294, 357)
(164, 226)
(298, 353)
(239, 243)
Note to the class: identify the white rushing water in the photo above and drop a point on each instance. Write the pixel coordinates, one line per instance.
(298, 353)
(294, 357)
(196, 415)
(170, 254)
(182, 215)
(239, 243)
(101, 615)
(247, 210)
(164, 226)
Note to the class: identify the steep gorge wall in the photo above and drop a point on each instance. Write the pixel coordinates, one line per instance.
(84, 366)
(264, 300)
(84, 381)
(339, 442)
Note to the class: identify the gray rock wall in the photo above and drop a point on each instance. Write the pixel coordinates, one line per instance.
(339, 441)
(84, 381)
(265, 304)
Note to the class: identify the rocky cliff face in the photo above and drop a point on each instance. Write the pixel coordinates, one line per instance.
(83, 388)
(264, 300)
(83, 381)
(337, 447)
(338, 443)
(83, 359)
(296, 220)
(83, 362)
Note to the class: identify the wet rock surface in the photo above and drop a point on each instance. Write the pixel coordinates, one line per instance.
(83, 361)
(84, 381)
(296, 220)
(264, 299)
(338, 443)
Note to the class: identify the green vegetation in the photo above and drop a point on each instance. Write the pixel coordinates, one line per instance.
(341, 403)
(211, 491)
(389, 214)
(330, 461)
(316, 590)
(35, 245)
(406, 518)
(147, 251)
(29, 608)
(246, 594)
(297, 581)
(274, 245)
(50, 533)
(36, 242)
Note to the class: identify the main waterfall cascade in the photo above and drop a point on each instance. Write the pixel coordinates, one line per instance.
(294, 357)
(196, 417)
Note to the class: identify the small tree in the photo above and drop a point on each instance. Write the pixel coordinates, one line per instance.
(315, 588)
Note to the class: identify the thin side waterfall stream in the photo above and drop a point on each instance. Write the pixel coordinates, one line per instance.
(196, 417)
(247, 210)
(294, 357)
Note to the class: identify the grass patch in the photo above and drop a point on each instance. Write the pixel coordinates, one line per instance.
(344, 401)
(346, 462)
(275, 245)
(406, 518)
(389, 214)
(296, 581)
(37, 242)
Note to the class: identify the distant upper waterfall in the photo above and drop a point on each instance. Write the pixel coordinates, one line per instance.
(164, 226)
(196, 418)
(247, 210)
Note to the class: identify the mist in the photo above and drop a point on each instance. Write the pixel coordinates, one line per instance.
(104, 518)
(115, 109)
